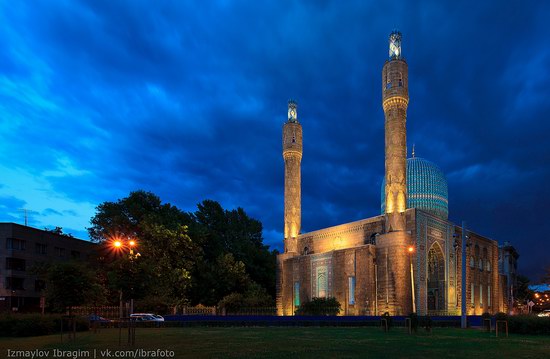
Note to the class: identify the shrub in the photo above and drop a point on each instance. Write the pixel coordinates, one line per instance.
(528, 324)
(319, 306)
(26, 325)
(501, 316)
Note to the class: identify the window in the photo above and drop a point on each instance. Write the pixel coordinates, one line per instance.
(481, 295)
(15, 264)
(39, 285)
(488, 295)
(488, 266)
(75, 254)
(14, 283)
(296, 294)
(472, 262)
(40, 248)
(351, 290)
(472, 294)
(59, 252)
(15, 244)
(480, 264)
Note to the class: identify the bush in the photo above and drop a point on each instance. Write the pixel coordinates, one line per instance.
(26, 325)
(255, 296)
(528, 324)
(501, 316)
(319, 306)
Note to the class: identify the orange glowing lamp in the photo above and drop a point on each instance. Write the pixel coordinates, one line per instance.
(411, 249)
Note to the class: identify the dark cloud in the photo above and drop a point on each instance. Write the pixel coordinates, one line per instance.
(98, 98)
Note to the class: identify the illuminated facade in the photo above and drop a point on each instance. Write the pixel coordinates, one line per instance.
(366, 265)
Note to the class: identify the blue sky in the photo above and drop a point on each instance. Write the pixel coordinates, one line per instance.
(187, 100)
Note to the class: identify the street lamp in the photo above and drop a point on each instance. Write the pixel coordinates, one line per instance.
(120, 245)
(411, 250)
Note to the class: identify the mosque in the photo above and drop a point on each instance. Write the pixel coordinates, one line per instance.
(407, 259)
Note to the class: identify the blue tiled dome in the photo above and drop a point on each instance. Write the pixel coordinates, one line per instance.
(426, 188)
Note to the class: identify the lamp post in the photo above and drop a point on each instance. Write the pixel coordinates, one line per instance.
(130, 245)
(411, 250)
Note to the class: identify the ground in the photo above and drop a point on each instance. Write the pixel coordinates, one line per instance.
(310, 342)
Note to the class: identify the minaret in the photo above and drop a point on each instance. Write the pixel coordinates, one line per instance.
(392, 256)
(292, 154)
(395, 99)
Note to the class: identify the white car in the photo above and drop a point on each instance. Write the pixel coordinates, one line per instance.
(544, 313)
(147, 317)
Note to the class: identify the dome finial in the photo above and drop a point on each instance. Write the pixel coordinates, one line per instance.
(413, 150)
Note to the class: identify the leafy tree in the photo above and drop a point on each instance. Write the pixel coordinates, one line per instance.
(522, 291)
(254, 296)
(70, 284)
(221, 231)
(167, 253)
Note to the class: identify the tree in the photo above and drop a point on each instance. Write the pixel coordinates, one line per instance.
(167, 253)
(70, 284)
(522, 291)
(220, 231)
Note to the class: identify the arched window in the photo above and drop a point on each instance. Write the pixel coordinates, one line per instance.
(306, 251)
(488, 266)
(480, 264)
(472, 262)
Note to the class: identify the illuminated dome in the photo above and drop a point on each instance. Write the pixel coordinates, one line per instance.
(426, 188)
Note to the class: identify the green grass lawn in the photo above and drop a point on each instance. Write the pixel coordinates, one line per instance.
(325, 342)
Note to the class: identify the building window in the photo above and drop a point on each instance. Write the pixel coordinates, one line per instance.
(75, 254)
(296, 294)
(472, 262)
(40, 248)
(15, 244)
(489, 296)
(480, 264)
(488, 266)
(472, 302)
(39, 285)
(15, 264)
(14, 283)
(481, 295)
(59, 252)
(351, 290)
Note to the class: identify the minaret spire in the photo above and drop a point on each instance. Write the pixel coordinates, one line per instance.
(395, 100)
(292, 154)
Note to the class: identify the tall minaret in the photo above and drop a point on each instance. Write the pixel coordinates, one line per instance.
(292, 154)
(395, 99)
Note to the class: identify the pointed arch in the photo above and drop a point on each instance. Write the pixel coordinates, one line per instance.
(435, 279)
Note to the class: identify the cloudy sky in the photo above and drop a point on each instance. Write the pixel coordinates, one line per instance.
(187, 100)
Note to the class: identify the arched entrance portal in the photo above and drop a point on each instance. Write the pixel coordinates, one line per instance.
(436, 279)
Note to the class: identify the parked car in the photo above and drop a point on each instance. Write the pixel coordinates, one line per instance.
(96, 318)
(544, 313)
(147, 317)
